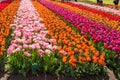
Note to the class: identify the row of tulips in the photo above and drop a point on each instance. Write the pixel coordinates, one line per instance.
(102, 8)
(6, 18)
(4, 4)
(76, 51)
(30, 49)
(98, 32)
(104, 14)
(93, 16)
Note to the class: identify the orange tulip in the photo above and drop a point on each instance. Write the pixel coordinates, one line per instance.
(64, 59)
(101, 62)
(76, 49)
(1, 53)
(2, 48)
(88, 58)
(96, 54)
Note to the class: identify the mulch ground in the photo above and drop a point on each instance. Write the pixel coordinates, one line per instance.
(6, 76)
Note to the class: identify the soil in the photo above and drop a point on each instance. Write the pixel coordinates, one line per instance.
(6, 76)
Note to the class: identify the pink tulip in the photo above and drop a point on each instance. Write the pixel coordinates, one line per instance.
(63, 52)
(27, 54)
(31, 47)
(41, 52)
(10, 49)
(54, 48)
(47, 51)
(25, 46)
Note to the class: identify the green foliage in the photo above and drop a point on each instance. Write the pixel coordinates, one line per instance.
(20, 64)
(82, 69)
(49, 62)
(114, 64)
(3, 58)
(2, 63)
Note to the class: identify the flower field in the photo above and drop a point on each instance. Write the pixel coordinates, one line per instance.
(58, 38)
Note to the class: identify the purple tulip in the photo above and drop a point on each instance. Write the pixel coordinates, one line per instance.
(117, 57)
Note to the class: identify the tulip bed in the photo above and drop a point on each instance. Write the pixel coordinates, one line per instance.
(30, 50)
(104, 14)
(6, 18)
(56, 38)
(93, 16)
(105, 38)
(4, 4)
(98, 32)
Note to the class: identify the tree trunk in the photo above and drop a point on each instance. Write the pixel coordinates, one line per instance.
(97, 1)
(75, 0)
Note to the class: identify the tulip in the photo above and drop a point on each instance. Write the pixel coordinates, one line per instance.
(25, 46)
(63, 52)
(117, 57)
(41, 52)
(54, 48)
(27, 54)
(10, 49)
(47, 51)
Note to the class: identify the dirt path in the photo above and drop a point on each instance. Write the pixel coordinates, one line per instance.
(111, 74)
